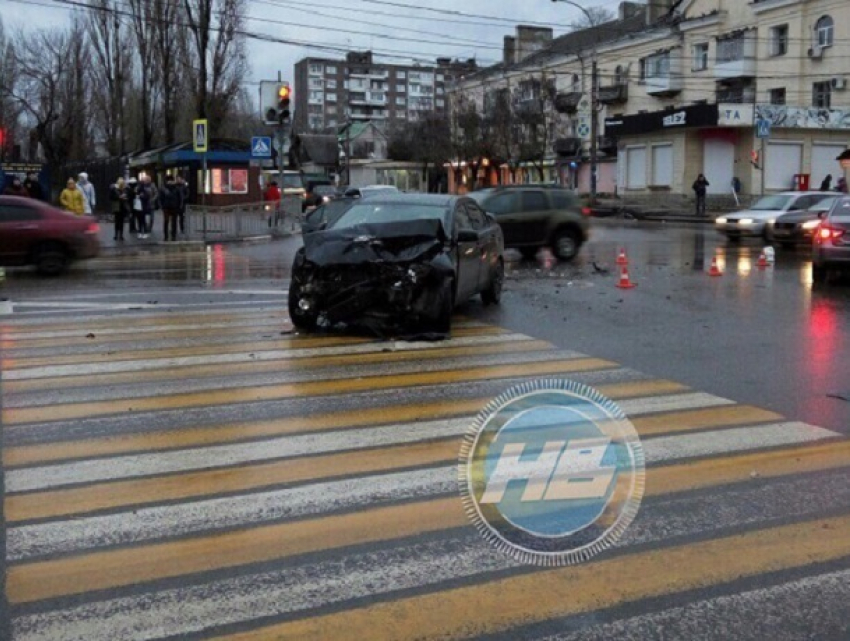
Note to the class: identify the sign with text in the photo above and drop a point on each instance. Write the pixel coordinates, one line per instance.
(692, 116)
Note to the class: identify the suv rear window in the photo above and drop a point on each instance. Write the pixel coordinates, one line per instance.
(534, 201)
(500, 204)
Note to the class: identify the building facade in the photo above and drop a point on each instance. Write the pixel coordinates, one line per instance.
(751, 93)
(329, 93)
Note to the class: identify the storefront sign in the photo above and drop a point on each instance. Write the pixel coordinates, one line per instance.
(692, 116)
(785, 117)
(734, 115)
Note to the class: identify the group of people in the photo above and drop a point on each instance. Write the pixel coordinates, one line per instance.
(137, 201)
(79, 196)
(840, 186)
(29, 188)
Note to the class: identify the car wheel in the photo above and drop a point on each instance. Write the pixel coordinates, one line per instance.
(443, 322)
(565, 244)
(304, 319)
(493, 294)
(51, 259)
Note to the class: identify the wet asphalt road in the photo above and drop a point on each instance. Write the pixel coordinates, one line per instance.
(178, 465)
(765, 337)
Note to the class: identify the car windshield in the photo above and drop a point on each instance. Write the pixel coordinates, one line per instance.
(480, 196)
(388, 213)
(769, 203)
(840, 211)
(324, 190)
(292, 181)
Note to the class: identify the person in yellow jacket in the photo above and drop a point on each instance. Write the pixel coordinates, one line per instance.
(71, 198)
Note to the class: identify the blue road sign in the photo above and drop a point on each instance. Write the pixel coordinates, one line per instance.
(762, 128)
(261, 147)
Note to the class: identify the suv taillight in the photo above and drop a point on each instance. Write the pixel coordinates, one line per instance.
(825, 233)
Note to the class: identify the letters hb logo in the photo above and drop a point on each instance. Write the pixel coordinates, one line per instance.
(552, 472)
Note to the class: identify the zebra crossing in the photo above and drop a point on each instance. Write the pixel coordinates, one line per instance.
(211, 474)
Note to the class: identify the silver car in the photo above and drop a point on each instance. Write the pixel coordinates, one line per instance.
(756, 220)
(831, 246)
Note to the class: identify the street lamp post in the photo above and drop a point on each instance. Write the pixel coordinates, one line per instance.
(594, 105)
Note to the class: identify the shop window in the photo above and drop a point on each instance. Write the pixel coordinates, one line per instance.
(229, 181)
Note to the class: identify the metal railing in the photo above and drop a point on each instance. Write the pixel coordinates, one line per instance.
(244, 220)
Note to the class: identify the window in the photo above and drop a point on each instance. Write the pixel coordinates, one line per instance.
(824, 31)
(619, 75)
(331, 97)
(575, 83)
(330, 70)
(331, 122)
(730, 49)
(821, 97)
(315, 69)
(700, 55)
(440, 77)
(230, 181)
(331, 84)
(476, 216)
(779, 40)
(657, 66)
(502, 204)
(462, 218)
(317, 95)
(534, 201)
(441, 102)
(17, 213)
(401, 88)
(777, 96)
(401, 74)
(330, 109)
(399, 100)
(316, 83)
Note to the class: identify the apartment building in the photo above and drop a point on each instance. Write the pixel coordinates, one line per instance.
(757, 91)
(330, 92)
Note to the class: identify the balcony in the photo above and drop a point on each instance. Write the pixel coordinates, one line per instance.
(664, 76)
(569, 147)
(614, 94)
(567, 103)
(736, 58)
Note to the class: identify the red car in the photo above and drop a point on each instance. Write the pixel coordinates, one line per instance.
(36, 233)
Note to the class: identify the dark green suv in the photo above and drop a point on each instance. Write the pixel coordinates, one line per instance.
(535, 216)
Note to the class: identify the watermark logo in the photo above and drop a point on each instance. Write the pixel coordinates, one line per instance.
(552, 472)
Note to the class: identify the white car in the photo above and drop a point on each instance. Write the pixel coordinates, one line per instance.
(756, 220)
(370, 190)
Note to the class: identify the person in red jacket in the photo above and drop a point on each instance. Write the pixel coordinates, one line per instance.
(272, 196)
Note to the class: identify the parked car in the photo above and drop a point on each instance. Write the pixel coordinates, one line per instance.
(326, 214)
(755, 221)
(36, 233)
(369, 190)
(831, 246)
(397, 262)
(798, 227)
(536, 216)
(318, 194)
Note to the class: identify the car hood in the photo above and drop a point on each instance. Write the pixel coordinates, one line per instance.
(797, 217)
(399, 242)
(755, 214)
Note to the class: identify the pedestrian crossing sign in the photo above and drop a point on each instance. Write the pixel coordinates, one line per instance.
(201, 136)
(261, 147)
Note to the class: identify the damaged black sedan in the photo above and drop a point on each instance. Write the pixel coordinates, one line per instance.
(397, 262)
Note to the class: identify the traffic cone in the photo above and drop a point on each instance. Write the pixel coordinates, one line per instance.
(714, 270)
(622, 259)
(762, 261)
(625, 283)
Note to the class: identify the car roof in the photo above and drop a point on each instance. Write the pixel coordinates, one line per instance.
(443, 200)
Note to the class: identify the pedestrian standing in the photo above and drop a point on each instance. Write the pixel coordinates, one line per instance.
(171, 199)
(33, 187)
(16, 188)
(700, 186)
(87, 189)
(71, 198)
(120, 197)
(826, 185)
(147, 193)
(184, 190)
(272, 196)
(841, 185)
(135, 206)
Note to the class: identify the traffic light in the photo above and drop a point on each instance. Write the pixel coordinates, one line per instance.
(275, 99)
(284, 94)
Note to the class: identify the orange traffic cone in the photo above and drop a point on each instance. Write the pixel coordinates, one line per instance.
(762, 262)
(714, 270)
(622, 259)
(625, 283)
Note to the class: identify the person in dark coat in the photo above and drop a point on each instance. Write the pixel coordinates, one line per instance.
(33, 187)
(700, 186)
(148, 195)
(184, 189)
(171, 200)
(16, 188)
(120, 197)
(826, 185)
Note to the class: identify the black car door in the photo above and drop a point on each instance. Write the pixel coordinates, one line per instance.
(468, 253)
(488, 243)
(505, 207)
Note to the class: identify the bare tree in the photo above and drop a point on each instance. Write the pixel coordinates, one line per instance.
(538, 122)
(468, 135)
(500, 127)
(171, 62)
(52, 87)
(112, 68)
(594, 16)
(219, 48)
(10, 109)
(144, 20)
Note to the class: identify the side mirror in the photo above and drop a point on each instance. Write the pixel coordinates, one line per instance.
(467, 236)
(821, 215)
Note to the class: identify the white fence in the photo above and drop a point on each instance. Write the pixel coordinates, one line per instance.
(239, 221)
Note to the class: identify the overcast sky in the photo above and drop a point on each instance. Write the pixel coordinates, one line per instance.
(392, 27)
